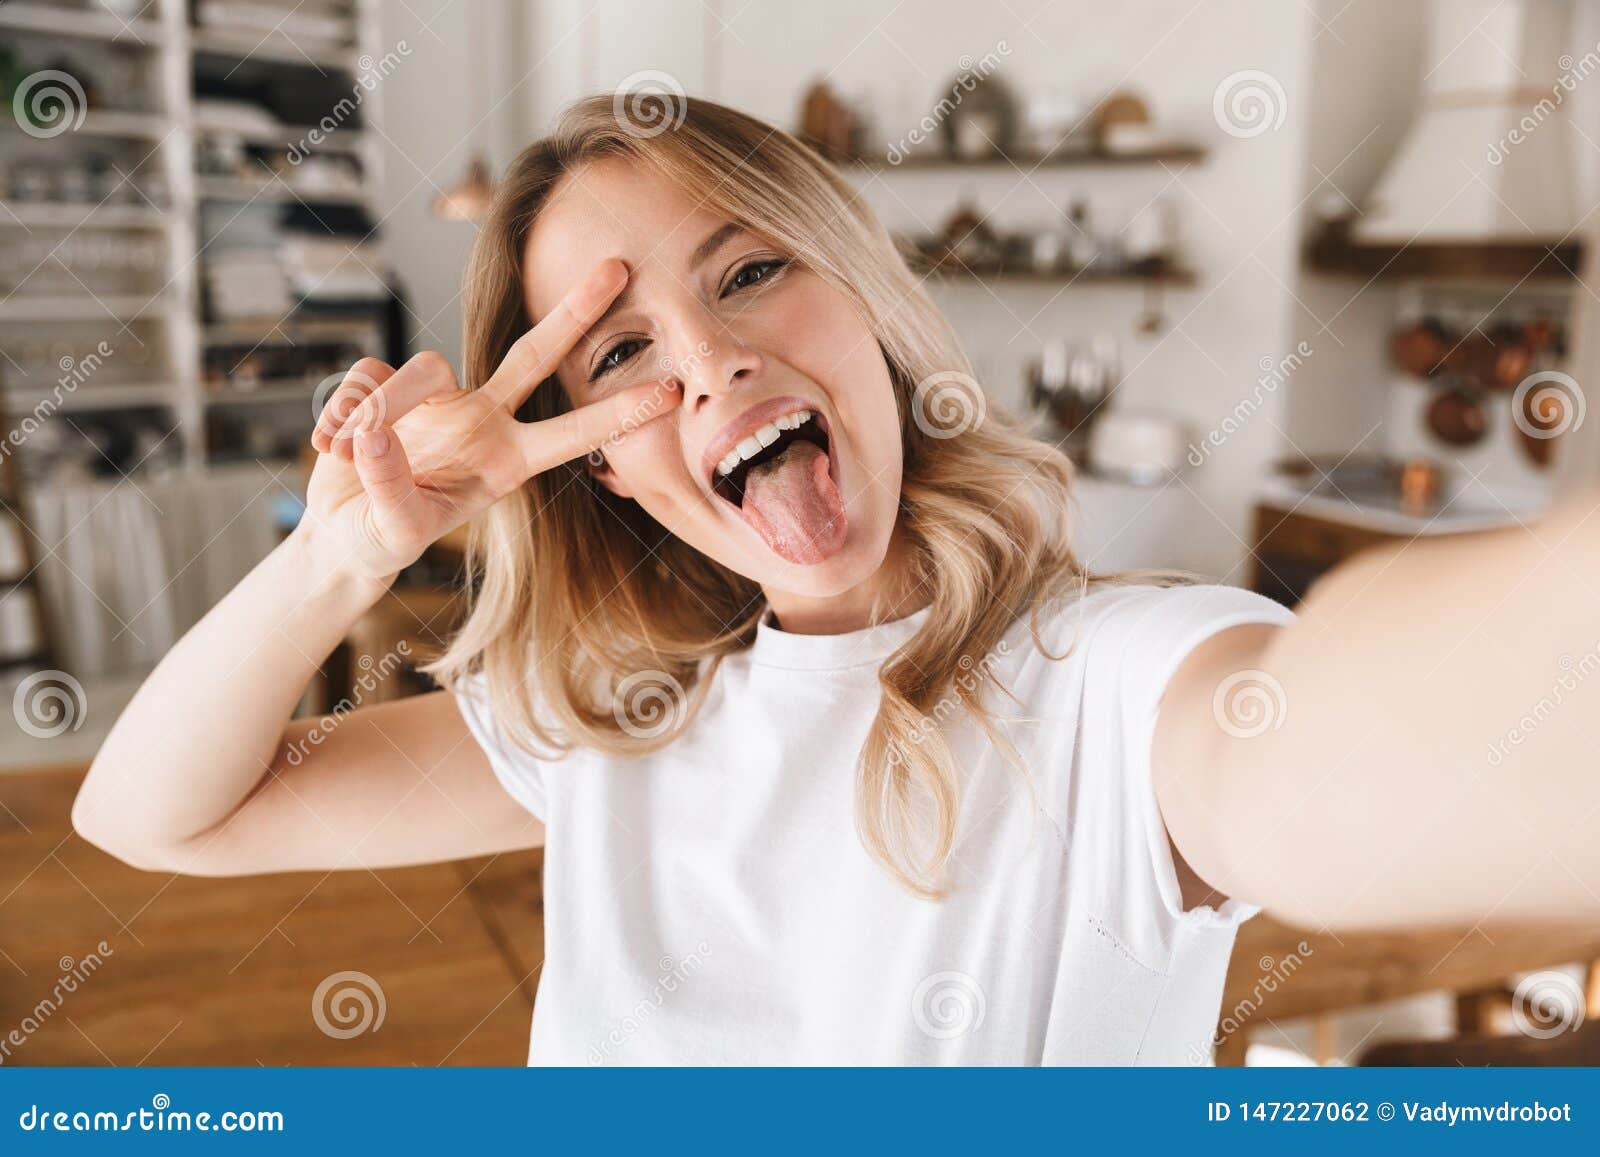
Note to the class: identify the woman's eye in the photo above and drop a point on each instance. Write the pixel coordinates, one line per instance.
(616, 356)
(753, 272)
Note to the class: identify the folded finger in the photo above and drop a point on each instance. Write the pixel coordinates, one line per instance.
(426, 376)
(386, 476)
(360, 381)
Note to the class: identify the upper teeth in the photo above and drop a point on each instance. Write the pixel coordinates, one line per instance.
(763, 437)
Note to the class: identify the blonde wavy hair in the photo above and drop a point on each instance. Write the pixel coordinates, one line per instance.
(578, 595)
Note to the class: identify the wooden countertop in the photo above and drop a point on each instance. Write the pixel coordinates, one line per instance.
(223, 971)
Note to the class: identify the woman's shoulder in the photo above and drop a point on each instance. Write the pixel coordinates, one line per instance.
(1118, 615)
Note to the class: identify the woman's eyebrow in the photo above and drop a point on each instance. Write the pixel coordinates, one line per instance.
(718, 238)
(713, 242)
(622, 302)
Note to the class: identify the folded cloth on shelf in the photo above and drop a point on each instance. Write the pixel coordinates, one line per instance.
(308, 19)
(126, 566)
(246, 283)
(333, 270)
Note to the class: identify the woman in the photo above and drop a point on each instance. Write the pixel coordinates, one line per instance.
(779, 648)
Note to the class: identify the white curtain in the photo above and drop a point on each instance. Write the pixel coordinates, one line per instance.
(132, 564)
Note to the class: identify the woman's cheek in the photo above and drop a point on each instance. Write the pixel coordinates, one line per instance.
(649, 462)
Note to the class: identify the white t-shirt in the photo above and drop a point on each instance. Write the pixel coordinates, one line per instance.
(712, 903)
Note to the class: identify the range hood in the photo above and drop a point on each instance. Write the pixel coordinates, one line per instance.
(1488, 159)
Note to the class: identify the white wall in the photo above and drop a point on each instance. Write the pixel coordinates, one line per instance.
(460, 89)
(1366, 72)
(1238, 209)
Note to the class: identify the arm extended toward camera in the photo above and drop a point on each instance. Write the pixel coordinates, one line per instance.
(1420, 746)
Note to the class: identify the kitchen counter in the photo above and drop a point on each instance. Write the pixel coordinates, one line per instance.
(1472, 507)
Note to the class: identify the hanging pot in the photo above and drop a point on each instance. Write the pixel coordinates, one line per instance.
(1513, 357)
(1542, 420)
(1457, 418)
(1420, 348)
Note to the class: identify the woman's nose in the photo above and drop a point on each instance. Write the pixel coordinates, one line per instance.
(712, 361)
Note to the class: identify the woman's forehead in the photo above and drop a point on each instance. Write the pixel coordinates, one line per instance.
(609, 208)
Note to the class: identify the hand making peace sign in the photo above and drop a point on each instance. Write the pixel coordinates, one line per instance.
(407, 455)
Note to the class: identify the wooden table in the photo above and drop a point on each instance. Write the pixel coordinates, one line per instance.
(223, 972)
(1315, 974)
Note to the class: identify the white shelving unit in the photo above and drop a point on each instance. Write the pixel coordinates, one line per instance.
(167, 140)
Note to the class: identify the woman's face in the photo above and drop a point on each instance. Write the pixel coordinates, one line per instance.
(738, 471)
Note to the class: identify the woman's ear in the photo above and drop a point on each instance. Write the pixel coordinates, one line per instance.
(600, 470)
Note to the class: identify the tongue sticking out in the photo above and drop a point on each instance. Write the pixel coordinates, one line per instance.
(793, 504)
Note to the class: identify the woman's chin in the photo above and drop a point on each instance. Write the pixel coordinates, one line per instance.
(828, 570)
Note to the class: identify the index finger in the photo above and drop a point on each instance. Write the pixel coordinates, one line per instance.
(536, 354)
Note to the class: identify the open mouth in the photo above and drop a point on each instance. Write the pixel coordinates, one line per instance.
(767, 444)
(779, 476)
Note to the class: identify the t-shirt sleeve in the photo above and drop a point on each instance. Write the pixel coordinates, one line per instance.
(519, 771)
(1134, 653)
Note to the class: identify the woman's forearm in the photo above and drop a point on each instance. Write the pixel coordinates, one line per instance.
(1435, 751)
(207, 724)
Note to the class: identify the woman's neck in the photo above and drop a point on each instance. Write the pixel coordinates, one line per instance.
(886, 596)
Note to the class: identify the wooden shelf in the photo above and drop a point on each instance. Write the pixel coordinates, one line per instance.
(64, 215)
(266, 394)
(229, 189)
(274, 47)
(112, 124)
(288, 331)
(53, 20)
(85, 399)
(281, 137)
(82, 307)
(1333, 251)
(166, 131)
(1061, 158)
(1175, 278)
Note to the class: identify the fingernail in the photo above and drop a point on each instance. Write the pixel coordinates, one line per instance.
(373, 443)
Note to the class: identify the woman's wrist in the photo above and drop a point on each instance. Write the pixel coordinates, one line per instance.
(332, 567)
